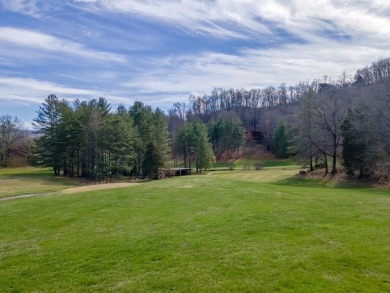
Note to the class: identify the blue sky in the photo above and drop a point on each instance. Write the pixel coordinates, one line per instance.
(160, 52)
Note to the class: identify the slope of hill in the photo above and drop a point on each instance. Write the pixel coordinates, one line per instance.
(253, 152)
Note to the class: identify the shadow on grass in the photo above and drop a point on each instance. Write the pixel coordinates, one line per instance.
(299, 181)
(251, 163)
(279, 163)
(26, 172)
(29, 175)
(45, 180)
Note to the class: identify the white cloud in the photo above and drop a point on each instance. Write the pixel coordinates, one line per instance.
(28, 7)
(199, 17)
(253, 68)
(329, 36)
(246, 18)
(29, 90)
(242, 18)
(23, 38)
(337, 35)
(34, 91)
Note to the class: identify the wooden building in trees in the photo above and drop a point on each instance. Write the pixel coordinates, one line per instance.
(254, 136)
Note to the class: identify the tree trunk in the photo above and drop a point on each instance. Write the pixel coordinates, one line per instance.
(334, 158)
(326, 163)
(185, 157)
(311, 164)
(65, 170)
(361, 172)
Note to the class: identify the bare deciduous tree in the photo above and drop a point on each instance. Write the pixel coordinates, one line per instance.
(13, 140)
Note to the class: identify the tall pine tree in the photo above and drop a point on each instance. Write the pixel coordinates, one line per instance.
(280, 143)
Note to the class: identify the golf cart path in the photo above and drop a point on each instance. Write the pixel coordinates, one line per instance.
(97, 187)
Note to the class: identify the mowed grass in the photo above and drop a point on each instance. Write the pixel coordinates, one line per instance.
(252, 231)
(30, 180)
(250, 164)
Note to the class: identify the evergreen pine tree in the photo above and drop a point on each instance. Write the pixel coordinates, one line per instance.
(280, 142)
(152, 162)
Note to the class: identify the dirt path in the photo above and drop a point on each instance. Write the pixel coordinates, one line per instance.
(21, 196)
(97, 187)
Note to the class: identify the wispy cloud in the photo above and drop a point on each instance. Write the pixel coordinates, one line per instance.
(194, 17)
(29, 90)
(40, 41)
(335, 36)
(28, 7)
(253, 68)
(162, 51)
(246, 19)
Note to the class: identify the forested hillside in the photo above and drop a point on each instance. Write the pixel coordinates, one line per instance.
(334, 124)
(325, 123)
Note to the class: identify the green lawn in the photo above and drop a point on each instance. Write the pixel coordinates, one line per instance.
(250, 164)
(30, 180)
(239, 231)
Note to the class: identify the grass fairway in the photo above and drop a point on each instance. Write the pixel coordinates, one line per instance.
(30, 180)
(253, 231)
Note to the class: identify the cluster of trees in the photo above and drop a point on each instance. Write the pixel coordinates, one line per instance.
(320, 122)
(348, 120)
(223, 133)
(281, 141)
(226, 134)
(193, 144)
(87, 139)
(246, 104)
(318, 127)
(366, 133)
(378, 71)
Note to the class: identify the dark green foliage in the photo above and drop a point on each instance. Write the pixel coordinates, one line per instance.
(120, 135)
(86, 139)
(226, 135)
(95, 150)
(280, 143)
(203, 152)
(151, 127)
(193, 143)
(183, 144)
(361, 145)
(142, 117)
(50, 145)
(160, 135)
(71, 134)
(152, 162)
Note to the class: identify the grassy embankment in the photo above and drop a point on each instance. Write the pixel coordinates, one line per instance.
(242, 231)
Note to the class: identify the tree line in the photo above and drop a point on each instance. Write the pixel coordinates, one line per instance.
(324, 123)
(88, 139)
